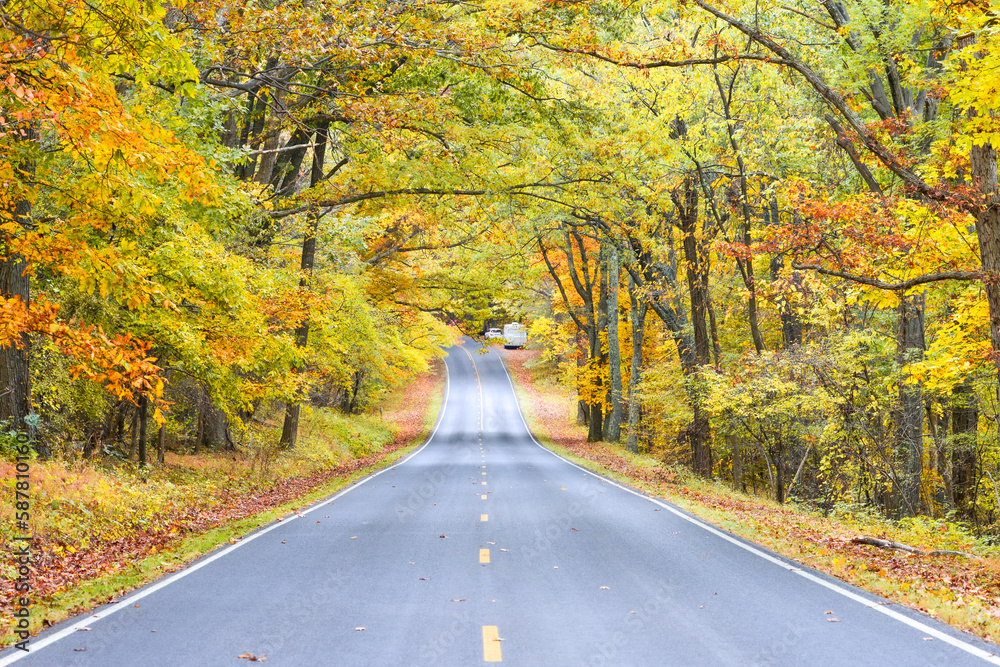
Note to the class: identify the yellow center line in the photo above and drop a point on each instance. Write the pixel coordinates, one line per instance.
(484, 483)
(491, 644)
(484, 517)
(483, 496)
(484, 473)
(478, 384)
(484, 555)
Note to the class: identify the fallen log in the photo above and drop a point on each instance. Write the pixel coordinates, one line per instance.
(889, 544)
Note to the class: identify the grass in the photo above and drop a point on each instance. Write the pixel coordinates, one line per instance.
(962, 592)
(104, 530)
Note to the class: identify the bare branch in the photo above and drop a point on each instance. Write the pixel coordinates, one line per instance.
(892, 287)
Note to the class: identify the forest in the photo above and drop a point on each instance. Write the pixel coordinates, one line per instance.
(761, 240)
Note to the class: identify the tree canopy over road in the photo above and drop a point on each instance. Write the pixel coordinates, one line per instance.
(760, 239)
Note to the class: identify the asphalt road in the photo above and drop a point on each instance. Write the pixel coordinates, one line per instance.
(484, 547)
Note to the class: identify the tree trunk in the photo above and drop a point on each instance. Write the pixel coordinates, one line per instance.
(613, 432)
(15, 380)
(736, 452)
(964, 450)
(290, 427)
(135, 434)
(910, 422)
(637, 313)
(143, 423)
(162, 444)
(701, 448)
(983, 163)
(698, 431)
(272, 139)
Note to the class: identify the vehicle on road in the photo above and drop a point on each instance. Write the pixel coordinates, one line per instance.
(515, 335)
(493, 333)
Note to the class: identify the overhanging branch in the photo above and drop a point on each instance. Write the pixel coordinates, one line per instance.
(892, 287)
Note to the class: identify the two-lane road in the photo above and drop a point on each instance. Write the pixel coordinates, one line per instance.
(484, 547)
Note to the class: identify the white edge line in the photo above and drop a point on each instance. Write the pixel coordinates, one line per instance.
(132, 599)
(934, 632)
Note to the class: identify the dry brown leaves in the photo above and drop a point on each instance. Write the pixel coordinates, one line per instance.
(948, 582)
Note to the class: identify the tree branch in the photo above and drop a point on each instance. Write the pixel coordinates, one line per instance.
(892, 287)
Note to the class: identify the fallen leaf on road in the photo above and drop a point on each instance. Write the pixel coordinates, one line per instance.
(425, 578)
(442, 536)
(576, 529)
(454, 600)
(80, 649)
(504, 549)
(359, 628)
(928, 639)
(83, 629)
(252, 658)
(828, 612)
(605, 588)
(833, 620)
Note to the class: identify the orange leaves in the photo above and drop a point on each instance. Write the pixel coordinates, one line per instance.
(122, 363)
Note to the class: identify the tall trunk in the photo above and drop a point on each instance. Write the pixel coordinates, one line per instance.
(688, 215)
(964, 450)
(269, 154)
(637, 314)
(290, 427)
(736, 451)
(613, 431)
(135, 434)
(983, 174)
(910, 421)
(983, 164)
(751, 281)
(586, 325)
(698, 430)
(599, 358)
(779, 473)
(583, 408)
(143, 423)
(15, 380)
(162, 443)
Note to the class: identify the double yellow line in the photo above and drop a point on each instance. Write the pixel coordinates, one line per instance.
(479, 384)
(491, 634)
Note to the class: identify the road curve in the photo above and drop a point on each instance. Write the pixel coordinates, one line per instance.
(484, 547)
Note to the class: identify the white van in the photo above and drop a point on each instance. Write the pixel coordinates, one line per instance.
(514, 336)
